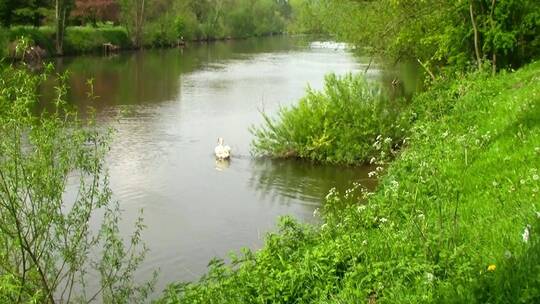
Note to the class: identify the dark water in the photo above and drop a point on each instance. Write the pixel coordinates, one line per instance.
(169, 107)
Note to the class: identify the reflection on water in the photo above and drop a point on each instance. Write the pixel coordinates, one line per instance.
(292, 181)
(222, 164)
(169, 106)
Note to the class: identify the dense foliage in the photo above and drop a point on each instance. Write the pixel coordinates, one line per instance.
(438, 33)
(49, 248)
(32, 12)
(147, 23)
(78, 39)
(456, 218)
(351, 121)
(215, 19)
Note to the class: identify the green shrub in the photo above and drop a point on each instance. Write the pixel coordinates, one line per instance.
(43, 36)
(78, 39)
(349, 122)
(161, 33)
(52, 245)
(84, 39)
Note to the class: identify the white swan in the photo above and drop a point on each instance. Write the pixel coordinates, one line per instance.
(221, 151)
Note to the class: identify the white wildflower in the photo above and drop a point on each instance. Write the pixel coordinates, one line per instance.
(383, 220)
(387, 140)
(536, 177)
(331, 193)
(526, 233)
(372, 174)
(379, 169)
(372, 160)
(430, 277)
(364, 242)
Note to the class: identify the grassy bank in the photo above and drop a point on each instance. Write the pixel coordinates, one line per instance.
(78, 39)
(87, 39)
(456, 218)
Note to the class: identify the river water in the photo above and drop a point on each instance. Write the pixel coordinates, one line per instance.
(168, 108)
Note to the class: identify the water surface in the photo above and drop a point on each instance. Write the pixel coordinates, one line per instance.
(168, 108)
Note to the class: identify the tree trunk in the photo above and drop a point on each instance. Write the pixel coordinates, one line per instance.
(476, 47)
(494, 50)
(60, 14)
(139, 22)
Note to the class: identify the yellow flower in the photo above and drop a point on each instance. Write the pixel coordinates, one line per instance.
(492, 267)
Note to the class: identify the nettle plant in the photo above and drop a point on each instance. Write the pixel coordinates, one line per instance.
(51, 250)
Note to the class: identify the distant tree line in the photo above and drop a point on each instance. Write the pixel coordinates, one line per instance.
(154, 22)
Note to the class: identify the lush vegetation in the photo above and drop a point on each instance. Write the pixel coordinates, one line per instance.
(48, 247)
(214, 19)
(69, 26)
(456, 216)
(446, 38)
(351, 121)
(79, 39)
(439, 34)
(455, 219)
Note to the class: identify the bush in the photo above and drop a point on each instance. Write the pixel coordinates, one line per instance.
(48, 249)
(78, 39)
(84, 39)
(349, 122)
(163, 32)
(43, 36)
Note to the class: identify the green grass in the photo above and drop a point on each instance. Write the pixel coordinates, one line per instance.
(78, 39)
(350, 121)
(455, 201)
(84, 39)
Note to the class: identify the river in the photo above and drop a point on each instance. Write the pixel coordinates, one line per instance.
(168, 108)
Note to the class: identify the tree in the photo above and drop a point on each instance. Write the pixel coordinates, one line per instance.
(7, 8)
(437, 33)
(96, 10)
(48, 248)
(23, 12)
(62, 9)
(134, 18)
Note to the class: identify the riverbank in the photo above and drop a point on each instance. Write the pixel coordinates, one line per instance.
(86, 39)
(454, 220)
(78, 39)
